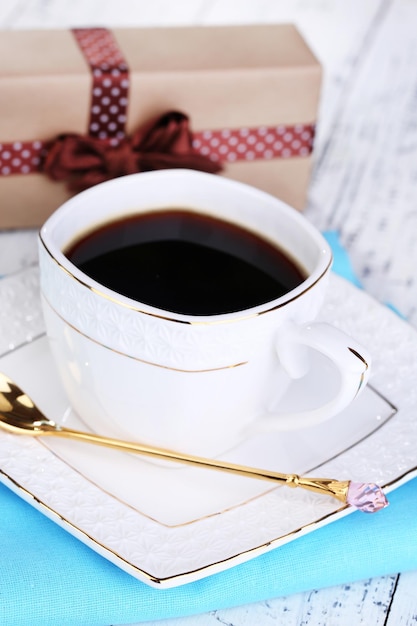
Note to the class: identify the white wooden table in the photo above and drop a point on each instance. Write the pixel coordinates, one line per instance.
(364, 185)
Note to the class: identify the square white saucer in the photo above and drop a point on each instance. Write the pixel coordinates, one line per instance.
(170, 525)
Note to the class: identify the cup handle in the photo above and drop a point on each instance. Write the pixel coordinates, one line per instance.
(350, 359)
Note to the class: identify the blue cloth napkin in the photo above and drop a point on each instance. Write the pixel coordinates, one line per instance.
(49, 578)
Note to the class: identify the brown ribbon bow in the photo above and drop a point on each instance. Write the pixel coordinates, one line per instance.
(163, 143)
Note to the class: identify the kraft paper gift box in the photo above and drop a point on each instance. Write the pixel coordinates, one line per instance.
(247, 95)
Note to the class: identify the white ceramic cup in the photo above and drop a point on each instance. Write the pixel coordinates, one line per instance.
(195, 384)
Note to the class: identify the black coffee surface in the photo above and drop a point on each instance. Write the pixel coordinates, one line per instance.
(185, 262)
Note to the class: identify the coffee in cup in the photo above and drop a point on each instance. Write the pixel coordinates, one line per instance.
(185, 262)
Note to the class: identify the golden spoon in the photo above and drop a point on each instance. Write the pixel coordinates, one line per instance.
(19, 415)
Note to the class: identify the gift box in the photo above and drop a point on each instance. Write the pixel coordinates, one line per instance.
(85, 105)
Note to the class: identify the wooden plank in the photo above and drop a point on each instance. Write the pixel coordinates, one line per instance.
(360, 603)
(403, 609)
(365, 183)
(67, 13)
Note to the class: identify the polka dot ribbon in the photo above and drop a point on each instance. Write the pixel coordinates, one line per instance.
(226, 145)
(255, 143)
(109, 98)
(108, 113)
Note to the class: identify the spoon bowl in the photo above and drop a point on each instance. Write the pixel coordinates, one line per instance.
(18, 413)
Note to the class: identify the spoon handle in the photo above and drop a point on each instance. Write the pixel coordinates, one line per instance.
(341, 490)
